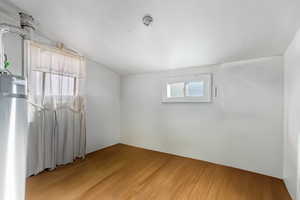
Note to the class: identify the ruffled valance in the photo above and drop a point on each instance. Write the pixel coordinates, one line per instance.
(54, 60)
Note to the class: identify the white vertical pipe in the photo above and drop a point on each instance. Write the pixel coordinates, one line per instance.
(1, 51)
(11, 180)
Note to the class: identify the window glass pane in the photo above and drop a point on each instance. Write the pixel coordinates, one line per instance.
(175, 90)
(36, 83)
(195, 89)
(57, 85)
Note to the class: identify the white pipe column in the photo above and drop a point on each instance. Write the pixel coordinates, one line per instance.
(1, 51)
(13, 120)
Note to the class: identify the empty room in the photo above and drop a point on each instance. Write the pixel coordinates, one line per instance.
(150, 100)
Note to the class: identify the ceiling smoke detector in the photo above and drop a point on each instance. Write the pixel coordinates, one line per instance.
(147, 20)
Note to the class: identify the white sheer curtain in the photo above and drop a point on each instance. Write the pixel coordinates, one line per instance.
(57, 131)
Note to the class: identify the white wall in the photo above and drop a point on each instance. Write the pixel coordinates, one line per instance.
(103, 107)
(292, 117)
(241, 128)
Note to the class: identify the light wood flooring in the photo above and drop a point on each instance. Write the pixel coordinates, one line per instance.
(122, 172)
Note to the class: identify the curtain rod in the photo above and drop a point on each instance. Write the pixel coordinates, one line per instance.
(53, 48)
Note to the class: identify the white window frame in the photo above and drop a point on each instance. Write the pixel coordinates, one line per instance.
(206, 98)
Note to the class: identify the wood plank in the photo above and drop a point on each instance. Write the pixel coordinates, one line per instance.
(123, 172)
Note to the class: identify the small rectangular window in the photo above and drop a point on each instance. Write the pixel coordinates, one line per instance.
(175, 90)
(193, 88)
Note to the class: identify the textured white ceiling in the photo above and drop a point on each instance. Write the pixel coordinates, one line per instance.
(184, 33)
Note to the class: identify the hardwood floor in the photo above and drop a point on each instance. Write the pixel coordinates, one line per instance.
(125, 172)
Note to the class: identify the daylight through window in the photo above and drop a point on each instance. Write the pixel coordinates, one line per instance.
(196, 88)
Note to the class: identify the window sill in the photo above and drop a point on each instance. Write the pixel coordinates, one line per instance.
(186, 101)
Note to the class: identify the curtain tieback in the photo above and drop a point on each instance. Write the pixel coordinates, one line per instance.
(61, 107)
(37, 106)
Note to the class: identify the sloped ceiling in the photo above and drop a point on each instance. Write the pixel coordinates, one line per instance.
(184, 33)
